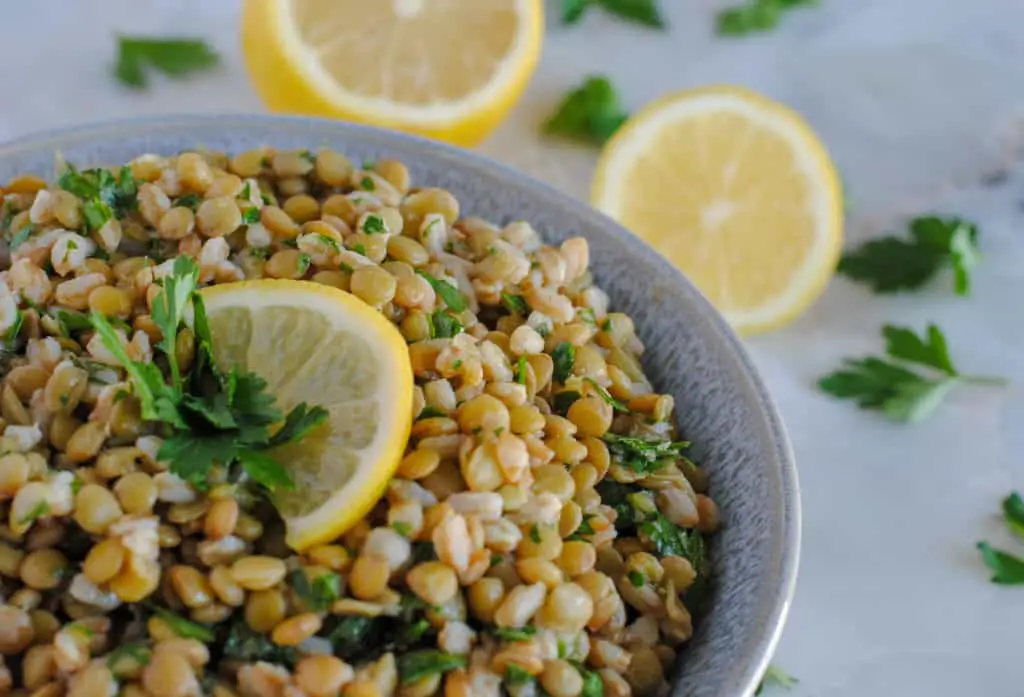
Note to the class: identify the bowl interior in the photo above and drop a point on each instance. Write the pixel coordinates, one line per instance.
(721, 404)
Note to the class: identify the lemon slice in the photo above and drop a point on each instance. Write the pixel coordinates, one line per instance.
(449, 70)
(737, 192)
(322, 346)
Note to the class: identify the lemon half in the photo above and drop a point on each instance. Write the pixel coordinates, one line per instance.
(448, 69)
(319, 345)
(737, 192)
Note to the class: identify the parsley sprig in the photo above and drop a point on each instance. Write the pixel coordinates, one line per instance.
(641, 454)
(173, 56)
(893, 264)
(1007, 568)
(210, 417)
(103, 196)
(590, 113)
(891, 386)
(756, 16)
(643, 12)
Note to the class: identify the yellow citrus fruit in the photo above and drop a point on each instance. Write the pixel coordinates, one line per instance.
(737, 192)
(447, 70)
(319, 345)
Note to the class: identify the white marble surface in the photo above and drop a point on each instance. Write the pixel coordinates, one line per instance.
(918, 100)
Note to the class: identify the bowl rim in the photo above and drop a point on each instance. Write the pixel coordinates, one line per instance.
(757, 649)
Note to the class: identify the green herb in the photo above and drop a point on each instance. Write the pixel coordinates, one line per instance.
(564, 358)
(402, 528)
(587, 315)
(308, 156)
(590, 113)
(756, 16)
(329, 241)
(367, 184)
(1013, 513)
(893, 264)
(890, 386)
(14, 331)
(192, 202)
(668, 538)
(775, 676)
(69, 321)
(496, 559)
(246, 192)
(603, 394)
(21, 236)
(563, 400)
(516, 304)
(423, 551)
(1007, 568)
(260, 252)
(38, 511)
(585, 528)
(515, 633)
(174, 57)
(213, 417)
(103, 196)
(368, 164)
(521, 370)
(184, 628)
(451, 295)
(359, 248)
(319, 593)
(245, 645)
(636, 578)
(445, 325)
(535, 534)
(349, 638)
(135, 651)
(643, 12)
(419, 664)
(374, 225)
(430, 413)
(302, 263)
(641, 454)
(593, 686)
(515, 675)
(457, 364)
(251, 215)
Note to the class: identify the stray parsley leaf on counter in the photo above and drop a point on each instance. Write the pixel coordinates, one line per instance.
(756, 16)
(1007, 569)
(590, 113)
(172, 56)
(210, 417)
(890, 385)
(893, 264)
(776, 677)
(640, 11)
(1013, 513)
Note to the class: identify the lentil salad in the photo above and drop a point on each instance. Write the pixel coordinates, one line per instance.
(544, 532)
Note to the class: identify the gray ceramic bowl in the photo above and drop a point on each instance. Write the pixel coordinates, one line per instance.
(722, 405)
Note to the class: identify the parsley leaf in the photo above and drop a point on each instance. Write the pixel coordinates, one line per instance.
(515, 633)
(593, 686)
(516, 675)
(445, 325)
(174, 57)
(138, 652)
(894, 388)
(21, 236)
(184, 628)
(640, 11)
(430, 412)
(1008, 569)
(564, 358)
(636, 578)
(516, 304)
(192, 202)
(38, 511)
(563, 400)
(451, 295)
(319, 593)
(603, 394)
(374, 224)
(1013, 513)
(643, 455)
(521, 370)
(246, 645)
(756, 16)
(893, 264)
(414, 665)
(590, 113)
(103, 196)
(668, 538)
(265, 470)
(775, 676)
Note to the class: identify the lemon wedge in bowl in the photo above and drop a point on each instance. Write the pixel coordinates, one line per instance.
(447, 70)
(319, 345)
(736, 191)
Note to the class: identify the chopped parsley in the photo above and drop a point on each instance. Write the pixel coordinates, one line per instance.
(451, 295)
(516, 304)
(374, 225)
(564, 357)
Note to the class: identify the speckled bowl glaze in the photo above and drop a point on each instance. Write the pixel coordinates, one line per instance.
(722, 405)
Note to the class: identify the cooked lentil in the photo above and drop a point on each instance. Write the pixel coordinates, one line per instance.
(542, 530)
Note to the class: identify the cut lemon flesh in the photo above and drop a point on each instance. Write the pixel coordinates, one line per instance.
(448, 69)
(322, 346)
(737, 192)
